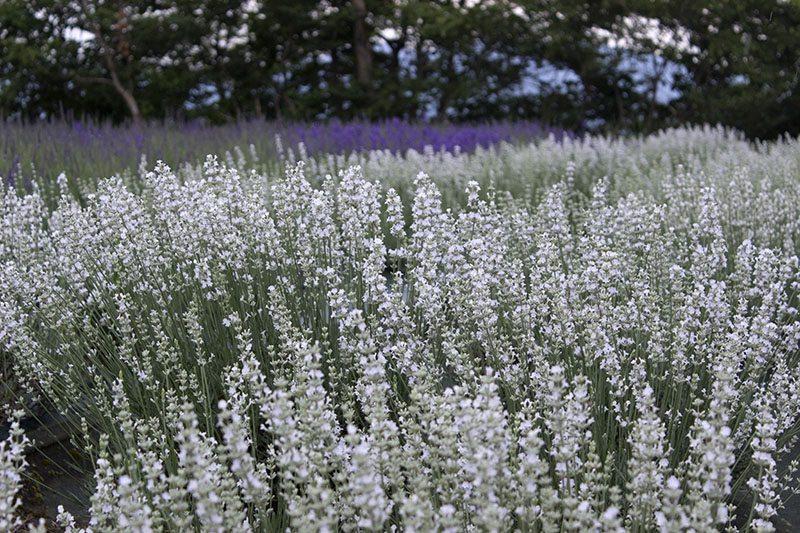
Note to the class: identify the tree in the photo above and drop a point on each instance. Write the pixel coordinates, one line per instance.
(106, 57)
(113, 57)
(362, 49)
(737, 61)
(468, 57)
(742, 68)
(37, 62)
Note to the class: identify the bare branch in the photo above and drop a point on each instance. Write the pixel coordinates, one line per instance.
(94, 79)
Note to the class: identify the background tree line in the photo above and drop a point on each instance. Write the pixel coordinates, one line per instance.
(611, 65)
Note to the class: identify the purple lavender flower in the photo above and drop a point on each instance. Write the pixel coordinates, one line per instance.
(92, 149)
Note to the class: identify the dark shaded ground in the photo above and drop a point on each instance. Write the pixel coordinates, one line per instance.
(788, 519)
(57, 471)
(57, 479)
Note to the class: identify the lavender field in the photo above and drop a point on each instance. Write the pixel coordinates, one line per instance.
(371, 332)
(87, 151)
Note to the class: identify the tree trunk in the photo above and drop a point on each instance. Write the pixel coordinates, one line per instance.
(276, 102)
(361, 43)
(130, 101)
(105, 49)
(620, 104)
(257, 106)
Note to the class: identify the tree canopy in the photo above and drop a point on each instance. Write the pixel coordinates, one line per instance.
(614, 65)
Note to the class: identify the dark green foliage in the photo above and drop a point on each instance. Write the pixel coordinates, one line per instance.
(734, 62)
(746, 70)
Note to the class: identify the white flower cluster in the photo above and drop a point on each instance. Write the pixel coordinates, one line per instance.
(12, 464)
(615, 354)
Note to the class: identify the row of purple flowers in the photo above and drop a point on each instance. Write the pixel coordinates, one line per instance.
(88, 148)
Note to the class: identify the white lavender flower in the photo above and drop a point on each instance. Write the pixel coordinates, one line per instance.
(580, 335)
(12, 464)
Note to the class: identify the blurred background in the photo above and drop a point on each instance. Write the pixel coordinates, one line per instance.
(608, 66)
